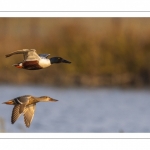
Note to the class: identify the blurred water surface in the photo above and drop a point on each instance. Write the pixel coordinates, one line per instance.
(81, 110)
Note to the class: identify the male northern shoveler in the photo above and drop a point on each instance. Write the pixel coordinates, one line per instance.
(33, 61)
(26, 105)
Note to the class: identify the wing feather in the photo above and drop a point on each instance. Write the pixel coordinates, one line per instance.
(44, 55)
(19, 108)
(23, 51)
(15, 114)
(29, 114)
(29, 54)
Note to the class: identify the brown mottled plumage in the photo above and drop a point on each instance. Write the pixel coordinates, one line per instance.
(26, 105)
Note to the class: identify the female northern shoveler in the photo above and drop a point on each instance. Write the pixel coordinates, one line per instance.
(26, 105)
(33, 61)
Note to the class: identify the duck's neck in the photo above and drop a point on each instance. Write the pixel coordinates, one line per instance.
(40, 99)
(52, 60)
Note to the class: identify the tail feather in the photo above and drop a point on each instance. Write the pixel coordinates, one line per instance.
(17, 65)
(10, 102)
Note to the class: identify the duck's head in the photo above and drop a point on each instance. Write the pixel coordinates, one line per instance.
(58, 60)
(46, 99)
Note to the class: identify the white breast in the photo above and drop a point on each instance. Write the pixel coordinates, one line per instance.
(43, 62)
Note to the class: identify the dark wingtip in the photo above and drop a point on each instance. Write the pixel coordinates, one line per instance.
(28, 126)
(12, 121)
(8, 55)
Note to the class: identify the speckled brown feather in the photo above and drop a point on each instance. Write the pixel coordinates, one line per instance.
(29, 114)
(15, 114)
(17, 111)
(26, 105)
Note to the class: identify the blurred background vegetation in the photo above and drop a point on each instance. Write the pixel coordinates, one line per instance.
(103, 51)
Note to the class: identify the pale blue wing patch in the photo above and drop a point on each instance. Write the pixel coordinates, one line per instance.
(44, 55)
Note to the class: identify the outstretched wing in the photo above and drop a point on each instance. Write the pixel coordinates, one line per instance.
(15, 114)
(19, 108)
(29, 114)
(29, 54)
(23, 51)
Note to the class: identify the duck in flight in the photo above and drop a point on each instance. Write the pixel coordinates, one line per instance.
(26, 105)
(34, 61)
